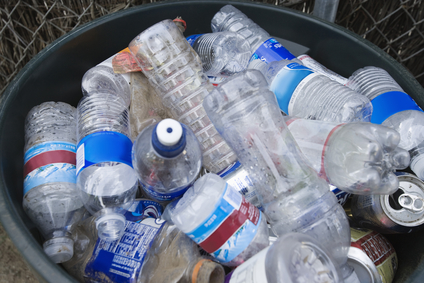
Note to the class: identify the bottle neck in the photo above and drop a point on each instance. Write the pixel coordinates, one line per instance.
(207, 271)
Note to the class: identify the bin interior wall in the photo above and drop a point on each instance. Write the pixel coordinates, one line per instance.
(55, 75)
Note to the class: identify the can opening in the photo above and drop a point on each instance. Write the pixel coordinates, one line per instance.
(394, 200)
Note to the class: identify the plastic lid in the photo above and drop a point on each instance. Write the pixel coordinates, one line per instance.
(110, 227)
(417, 166)
(59, 249)
(168, 138)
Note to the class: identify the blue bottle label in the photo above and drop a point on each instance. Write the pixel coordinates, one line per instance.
(230, 228)
(192, 38)
(121, 260)
(103, 147)
(142, 209)
(341, 196)
(49, 162)
(271, 50)
(163, 197)
(389, 103)
(286, 82)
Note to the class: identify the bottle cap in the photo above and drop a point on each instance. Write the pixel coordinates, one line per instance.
(110, 227)
(168, 138)
(59, 249)
(417, 166)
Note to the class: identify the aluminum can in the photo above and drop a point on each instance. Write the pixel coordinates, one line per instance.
(401, 212)
(372, 256)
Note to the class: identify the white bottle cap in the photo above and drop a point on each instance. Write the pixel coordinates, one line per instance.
(417, 166)
(169, 132)
(110, 227)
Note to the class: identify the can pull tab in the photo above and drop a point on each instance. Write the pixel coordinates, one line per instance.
(411, 202)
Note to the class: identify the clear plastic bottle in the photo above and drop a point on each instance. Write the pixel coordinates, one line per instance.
(393, 108)
(219, 219)
(262, 45)
(105, 178)
(410, 125)
(292, 258)
(303, 93)
(174, 257)
(102, 78)
(292, 195)
(174, 68)
(358, 158)
(167, 158)
(51, 198)
(222, 53)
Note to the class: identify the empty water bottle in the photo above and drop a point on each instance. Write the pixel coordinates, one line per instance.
(222, 53)
(262, 45)
(51, 199)
(105, 178)
(172, 66)
(359, 158)
(219, 219)
(102, 78)
(393, 108)
(292, 195)
(303, 93)
(167, 158)
(292, 258)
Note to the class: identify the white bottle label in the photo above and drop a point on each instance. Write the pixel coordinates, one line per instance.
(251, 271)
(317, 67)
(299, 90)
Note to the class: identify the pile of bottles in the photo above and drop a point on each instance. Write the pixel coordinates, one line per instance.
(222, 157)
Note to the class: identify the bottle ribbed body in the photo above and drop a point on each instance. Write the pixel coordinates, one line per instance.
(172, 66)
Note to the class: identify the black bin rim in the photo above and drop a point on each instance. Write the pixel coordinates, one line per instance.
(12, 222)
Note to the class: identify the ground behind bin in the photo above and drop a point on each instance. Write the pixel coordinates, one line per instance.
(12, 266)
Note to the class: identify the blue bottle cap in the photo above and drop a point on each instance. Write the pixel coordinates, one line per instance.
(169, 138)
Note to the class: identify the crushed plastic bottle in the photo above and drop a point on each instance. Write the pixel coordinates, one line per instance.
(222, 53)
(167, 158)
(219, 219)
(303, 93)
(292, 258)
(262, 45)
(106, 181)
(174, 68)
(51, 198)
(358, 158)
(294, 198)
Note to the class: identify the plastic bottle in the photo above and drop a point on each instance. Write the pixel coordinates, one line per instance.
(51, 199)
(167, 158)
(174, 68)
(292, 258)
(105, 178)
(102, 78)
(312, 64)
(174, 257)
(303, 93)
(219, 219)
(358, 158)
(292, 195)
(222, 53)
(262, 45)
(393, 108)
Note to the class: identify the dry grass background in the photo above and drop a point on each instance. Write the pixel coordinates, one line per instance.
(26, 27)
